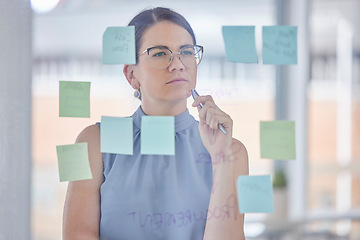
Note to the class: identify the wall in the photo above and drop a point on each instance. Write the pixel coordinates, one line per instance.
(15, 124)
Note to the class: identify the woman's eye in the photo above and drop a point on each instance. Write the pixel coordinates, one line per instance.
(159, 54)
(187, 53)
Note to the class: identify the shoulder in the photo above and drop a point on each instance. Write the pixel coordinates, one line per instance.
(241, 163)
(90, 133)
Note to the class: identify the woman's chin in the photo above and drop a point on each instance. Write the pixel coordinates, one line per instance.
(188, 94)
(184, 93)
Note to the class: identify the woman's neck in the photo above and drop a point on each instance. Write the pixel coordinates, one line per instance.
(163, 108)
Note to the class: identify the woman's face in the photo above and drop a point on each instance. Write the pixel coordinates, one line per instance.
(174, 82)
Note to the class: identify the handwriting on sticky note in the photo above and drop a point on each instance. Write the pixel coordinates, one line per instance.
(279, 44)
(277, 140)
(74, 99)
(255, 194)
(240, 43)
(116, 135)
(119, 45)
(158, 135)
(73, 162)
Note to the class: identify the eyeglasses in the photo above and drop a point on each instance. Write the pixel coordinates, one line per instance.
(161, 56)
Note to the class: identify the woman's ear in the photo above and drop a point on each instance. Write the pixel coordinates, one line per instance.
(130, 77)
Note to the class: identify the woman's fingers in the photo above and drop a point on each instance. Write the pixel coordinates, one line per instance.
(203, 112)
(213, 116)
(210, 114)
(202, 100)
(218, 117)
(209, 108)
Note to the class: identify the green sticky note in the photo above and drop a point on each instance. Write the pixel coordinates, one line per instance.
(277, 140)
(279, 44)
(255, 194)
(73, 162)
(240, 43)
(119, 45)
(158, 135)
(74, 99)
(116, 135)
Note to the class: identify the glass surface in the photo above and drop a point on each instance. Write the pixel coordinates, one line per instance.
(238, 89)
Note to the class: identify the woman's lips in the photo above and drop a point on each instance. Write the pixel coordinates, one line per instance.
(177, 81)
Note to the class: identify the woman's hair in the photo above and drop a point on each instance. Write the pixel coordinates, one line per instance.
(150, 17)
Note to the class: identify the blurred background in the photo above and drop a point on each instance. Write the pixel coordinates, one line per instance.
(316, 196)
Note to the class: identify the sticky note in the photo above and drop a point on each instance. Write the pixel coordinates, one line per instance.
(255, 194)
(73, 162)
(279, 44)
(240, 43)
(119, 45)
(277, 140)
(116, 135)
(158, 135)
(74, 99)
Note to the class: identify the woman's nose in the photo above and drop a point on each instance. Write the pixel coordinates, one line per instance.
(176, 62)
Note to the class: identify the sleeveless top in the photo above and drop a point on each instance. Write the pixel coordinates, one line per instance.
(157, 196)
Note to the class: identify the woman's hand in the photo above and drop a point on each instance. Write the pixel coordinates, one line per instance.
(229, 160)
(215, 141)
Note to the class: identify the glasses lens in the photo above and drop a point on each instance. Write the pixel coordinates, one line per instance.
(159, 57)
(191, 55)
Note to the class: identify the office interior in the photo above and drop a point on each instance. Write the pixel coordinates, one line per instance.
(44, 42)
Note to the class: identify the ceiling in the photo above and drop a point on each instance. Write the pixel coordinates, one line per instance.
(75, 27)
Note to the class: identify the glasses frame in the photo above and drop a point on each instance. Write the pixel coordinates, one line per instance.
(172, 54)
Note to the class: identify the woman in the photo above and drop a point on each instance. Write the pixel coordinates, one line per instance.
(191, 195)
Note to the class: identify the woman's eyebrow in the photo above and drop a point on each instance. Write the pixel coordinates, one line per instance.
(161, 46)
(185, 45)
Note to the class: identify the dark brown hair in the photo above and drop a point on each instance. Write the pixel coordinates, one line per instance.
(150, 17)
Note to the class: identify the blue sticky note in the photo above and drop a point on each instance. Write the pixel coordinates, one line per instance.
(255, 194)
(240, 43)
(277, 140)
(279, 44)
(73, 162)
(74, 99)
(116, 135)
(158, 135)
(119, 45)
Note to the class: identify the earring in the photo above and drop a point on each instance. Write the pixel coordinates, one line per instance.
(137, 94)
